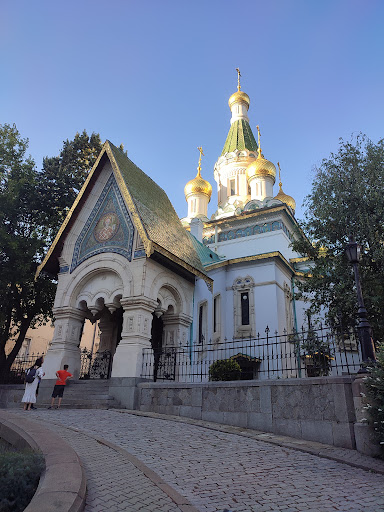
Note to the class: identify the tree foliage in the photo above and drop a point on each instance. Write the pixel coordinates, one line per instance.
(63, 176)
(31, 211)
(346, 199)
(224, 369)
(374, 385)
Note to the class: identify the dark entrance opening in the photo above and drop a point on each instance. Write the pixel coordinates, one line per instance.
(96, 361)
(156, 342)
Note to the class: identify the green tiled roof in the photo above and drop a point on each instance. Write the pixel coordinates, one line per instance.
(152, 214)
(207, 257)
(158, 217)
(239, 137)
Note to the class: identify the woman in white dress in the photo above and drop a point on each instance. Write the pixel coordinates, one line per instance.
(29, 397)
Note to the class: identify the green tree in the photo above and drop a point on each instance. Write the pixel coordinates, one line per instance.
(346, 199)
(374, 384)
(62, 178)
(32, 207)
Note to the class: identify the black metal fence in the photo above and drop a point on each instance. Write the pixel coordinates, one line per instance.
(306, 353)
(20, 365)
(95, 365)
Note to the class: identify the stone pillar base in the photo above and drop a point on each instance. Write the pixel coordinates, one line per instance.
(365, 442)
(56, 359)
(125, 391)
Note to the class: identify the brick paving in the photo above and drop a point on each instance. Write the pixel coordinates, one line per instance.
(211, 469)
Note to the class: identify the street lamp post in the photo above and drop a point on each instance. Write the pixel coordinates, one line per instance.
(353, 252)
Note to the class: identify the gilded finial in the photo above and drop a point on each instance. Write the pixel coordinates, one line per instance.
(280, 184)
(238, 79)
(258, 138)
(199, 167)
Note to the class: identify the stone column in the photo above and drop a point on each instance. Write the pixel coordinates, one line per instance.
(177, 334)
(364, 433)
(107, 331)
(176, 329)
(64, 348)
(135, 336)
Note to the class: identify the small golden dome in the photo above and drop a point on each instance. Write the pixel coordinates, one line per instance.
(261, 168)
(198, 186)
(285, 198)
(237, 97)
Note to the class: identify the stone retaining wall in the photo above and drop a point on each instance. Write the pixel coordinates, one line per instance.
(316, 409)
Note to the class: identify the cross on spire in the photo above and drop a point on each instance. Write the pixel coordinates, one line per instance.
(280, 184)
(201, 154)
(238, 79)
(258, 137)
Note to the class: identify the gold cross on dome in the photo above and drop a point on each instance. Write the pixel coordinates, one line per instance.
(201, 154)
(258, 137)
(278, 165)
(238, 79)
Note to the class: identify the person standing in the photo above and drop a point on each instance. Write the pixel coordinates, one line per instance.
(58, 390)
(33, 377)
(39, 362)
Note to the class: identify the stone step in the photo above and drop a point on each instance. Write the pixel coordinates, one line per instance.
(82, 394)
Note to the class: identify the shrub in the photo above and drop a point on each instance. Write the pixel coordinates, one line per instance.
(19, 477)
(224, 369)
(374, 385)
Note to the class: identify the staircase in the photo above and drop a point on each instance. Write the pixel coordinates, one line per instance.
(82, 394)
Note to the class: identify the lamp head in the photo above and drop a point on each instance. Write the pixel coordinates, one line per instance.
(353, 251)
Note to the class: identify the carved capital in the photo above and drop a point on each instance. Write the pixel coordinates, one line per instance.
(138, 303)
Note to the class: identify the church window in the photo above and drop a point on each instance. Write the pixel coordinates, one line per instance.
(232, 187)
(245, 308)
(216, 314)
(202, 323)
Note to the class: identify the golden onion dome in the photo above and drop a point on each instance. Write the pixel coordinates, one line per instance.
(285, 198)
(237, 97)
(198, 186)
(261, 168)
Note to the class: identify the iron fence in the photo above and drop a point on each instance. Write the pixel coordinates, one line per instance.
(16, 374)
(305, 353)
(95, 365)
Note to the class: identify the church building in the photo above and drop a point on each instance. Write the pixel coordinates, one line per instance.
(125, 260)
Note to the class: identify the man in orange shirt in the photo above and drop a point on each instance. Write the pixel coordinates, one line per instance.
(58, 390)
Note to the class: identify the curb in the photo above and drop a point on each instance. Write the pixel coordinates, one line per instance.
(62, 486)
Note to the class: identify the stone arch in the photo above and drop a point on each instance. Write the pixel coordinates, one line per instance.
(120, 278)
(166, 288)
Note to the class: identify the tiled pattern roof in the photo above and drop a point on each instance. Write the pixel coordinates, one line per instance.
(157, 215)
(206, 255)
(239, 137)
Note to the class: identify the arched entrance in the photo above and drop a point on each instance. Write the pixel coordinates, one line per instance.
(97, 355)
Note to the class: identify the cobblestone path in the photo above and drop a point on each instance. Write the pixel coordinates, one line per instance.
(213, 470)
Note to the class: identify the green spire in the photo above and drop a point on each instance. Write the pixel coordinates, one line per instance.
(239, 137)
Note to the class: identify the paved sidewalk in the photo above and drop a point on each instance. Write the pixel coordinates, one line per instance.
(151, 463)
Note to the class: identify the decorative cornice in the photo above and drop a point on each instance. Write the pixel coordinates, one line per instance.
(257, 257)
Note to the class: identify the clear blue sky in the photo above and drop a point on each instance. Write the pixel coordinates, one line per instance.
(156, 76)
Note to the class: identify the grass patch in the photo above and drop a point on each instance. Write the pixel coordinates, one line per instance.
(19, 477)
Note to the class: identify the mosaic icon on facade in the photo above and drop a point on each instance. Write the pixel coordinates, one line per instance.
(109, 227)
(106, 227)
